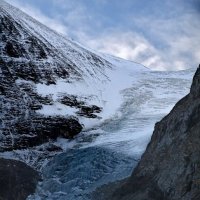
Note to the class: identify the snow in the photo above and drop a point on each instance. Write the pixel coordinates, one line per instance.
(57, 109)
(63, 87)
(105, 94)
(150, 97)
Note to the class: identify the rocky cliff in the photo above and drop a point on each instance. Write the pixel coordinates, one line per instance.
(170, 167)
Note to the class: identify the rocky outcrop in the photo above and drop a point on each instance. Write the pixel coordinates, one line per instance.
(17, 180)
(88, 111)
(170, 167)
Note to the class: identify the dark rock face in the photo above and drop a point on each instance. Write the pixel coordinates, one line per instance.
(12, 49)
(17, 180)
(170, 167)
(38, 130)
(88, 111)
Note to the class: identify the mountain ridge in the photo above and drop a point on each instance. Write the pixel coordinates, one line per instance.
(45, 78)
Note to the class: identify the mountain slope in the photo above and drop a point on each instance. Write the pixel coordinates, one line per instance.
(169, 168)
(50, 86)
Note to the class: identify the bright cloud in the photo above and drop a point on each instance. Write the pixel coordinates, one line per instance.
(34, 12)
(129, 46)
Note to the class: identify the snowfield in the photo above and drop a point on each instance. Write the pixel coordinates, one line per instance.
(105, 94)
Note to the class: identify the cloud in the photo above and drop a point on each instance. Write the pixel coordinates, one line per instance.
(74, 15)
(34, 12)
(129, 45)
(167, 44)
(177, 39)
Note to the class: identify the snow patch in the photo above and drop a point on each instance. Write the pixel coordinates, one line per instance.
(57, 109)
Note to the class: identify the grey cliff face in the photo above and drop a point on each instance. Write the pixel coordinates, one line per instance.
(170, 167)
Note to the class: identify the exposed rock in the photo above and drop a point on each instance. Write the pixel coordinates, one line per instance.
(35, 131)
(18, 180)
(71, 100)
(53, 148)
(12, 49)
(85, 110)
(170, 167)
(21, 126)
(88, 111)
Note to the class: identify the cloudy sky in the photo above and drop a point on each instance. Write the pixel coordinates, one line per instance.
(163, 35)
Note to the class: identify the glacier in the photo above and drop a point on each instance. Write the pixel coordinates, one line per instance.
(109, 151)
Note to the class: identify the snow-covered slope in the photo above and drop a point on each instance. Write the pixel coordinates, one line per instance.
(54, 47)
(47, 81)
